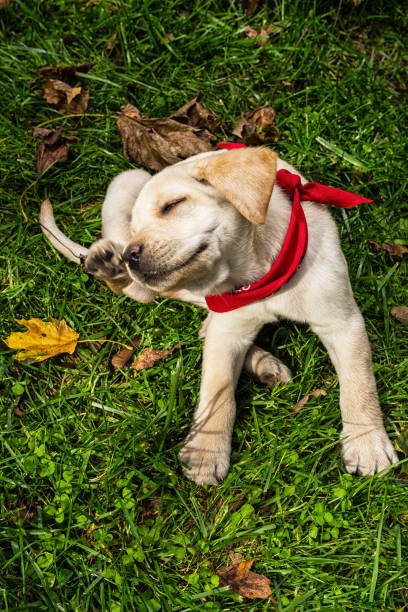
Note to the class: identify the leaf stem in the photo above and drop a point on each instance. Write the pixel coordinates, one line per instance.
(105, 340)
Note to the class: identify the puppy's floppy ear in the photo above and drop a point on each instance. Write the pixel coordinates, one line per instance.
(244, 176)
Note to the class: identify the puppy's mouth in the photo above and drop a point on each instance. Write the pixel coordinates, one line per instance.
(153, 277)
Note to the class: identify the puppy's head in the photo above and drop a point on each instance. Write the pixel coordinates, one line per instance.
(191, 221)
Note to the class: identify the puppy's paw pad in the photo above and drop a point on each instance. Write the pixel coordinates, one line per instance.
(104, 261)
(367, 451)
(205, 467)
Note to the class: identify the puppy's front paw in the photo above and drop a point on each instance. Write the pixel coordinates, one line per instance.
(367, 450)
(104, 261)
(206, 466)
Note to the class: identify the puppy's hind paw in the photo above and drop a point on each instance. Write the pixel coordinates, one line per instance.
(367, 450)
(267, 368)
(206, 467)
(104, 261)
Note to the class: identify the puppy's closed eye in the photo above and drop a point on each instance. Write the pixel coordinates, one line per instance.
(170, 205)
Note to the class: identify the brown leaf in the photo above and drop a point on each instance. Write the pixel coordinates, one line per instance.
(261, 37)
(235, 557)
(250, 32)
(17, 411)
(168, 37)
(53, 148)
(111, 43)
(252, 6)
(156, 143)
(148, 357)
(315, 393)
(241, 580)
(63, 72)
(65, 97)
(195, 115)
(400, 313)
(120, 359)
(394, 250)
(4, 3)
(256, 127)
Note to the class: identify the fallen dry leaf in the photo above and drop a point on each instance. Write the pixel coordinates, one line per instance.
(53, 148)
(63, 72)
(111, 43)
(148, 357)
(235, 557)
(400, 313)
(241, 580)
(17, 411)
(42, 340)
(120, 359)
(65, 97)
(252, 5)
(250, 32)
(256, 127)
(195, 115)
(168, 37)
(159, 142)
(315, 393)
(261, 37)
(394, 250)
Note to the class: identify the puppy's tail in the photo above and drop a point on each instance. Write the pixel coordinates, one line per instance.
(74, 251)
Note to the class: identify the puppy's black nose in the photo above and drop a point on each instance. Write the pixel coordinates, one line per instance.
(133, 254)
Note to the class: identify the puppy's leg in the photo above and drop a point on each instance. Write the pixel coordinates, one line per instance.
(118, 203)
(104, 260)
(366, 446)
(208, 444)
(264, 366)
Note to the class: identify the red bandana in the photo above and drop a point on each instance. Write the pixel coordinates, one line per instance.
(295, 243)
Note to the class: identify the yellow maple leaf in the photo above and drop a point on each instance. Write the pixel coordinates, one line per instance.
(43, 339)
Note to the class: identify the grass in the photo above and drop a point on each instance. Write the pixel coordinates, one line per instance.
(95, 514)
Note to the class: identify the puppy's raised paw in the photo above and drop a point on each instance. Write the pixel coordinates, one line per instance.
(205, 467)
(367, 450)
(104, 261)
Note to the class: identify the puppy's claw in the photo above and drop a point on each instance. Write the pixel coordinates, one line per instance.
(367, 451)
(268, 379)
(205, 467)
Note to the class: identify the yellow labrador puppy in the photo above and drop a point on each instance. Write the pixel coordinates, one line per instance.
(207, 226)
